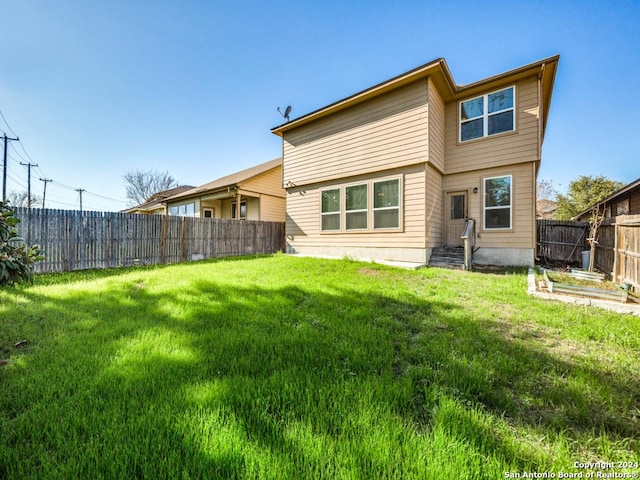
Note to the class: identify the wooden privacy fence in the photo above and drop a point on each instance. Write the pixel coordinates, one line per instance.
(618, 249)
(75, 240)
(562, 241)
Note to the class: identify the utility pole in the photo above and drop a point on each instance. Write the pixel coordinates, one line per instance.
(44, 194)
(80, 190)
(4, 171)
(29, 165)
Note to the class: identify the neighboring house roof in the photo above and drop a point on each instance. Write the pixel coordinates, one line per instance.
(438, 69)
(611, 198)
(228, 181)
(155, 201)
(545, 208)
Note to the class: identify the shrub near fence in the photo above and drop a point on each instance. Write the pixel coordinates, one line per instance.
(74, 240)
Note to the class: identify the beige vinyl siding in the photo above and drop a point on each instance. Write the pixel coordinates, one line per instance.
(386, 132)
(269, 182)
(436, 128)
(272, 209)
(522, 233)
(498, 150)
(433, 208)
(303, 215)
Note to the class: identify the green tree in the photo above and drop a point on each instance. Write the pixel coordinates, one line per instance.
(583, 193)
(16, 261)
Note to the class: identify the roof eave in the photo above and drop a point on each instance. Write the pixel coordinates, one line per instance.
(436, 66)
(395, 82)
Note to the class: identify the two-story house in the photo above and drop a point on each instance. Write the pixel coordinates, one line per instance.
(395, 171)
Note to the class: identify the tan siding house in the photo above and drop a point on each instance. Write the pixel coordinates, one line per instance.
(258, 190)
(395, 171)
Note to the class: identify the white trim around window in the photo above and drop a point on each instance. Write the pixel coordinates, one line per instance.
(497, 211)
(362, 207)
(487, 115)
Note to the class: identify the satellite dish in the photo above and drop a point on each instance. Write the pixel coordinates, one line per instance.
(286, 113)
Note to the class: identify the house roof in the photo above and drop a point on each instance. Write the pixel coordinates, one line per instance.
(227, 181)
(611, 197)
(156, 199)
(545, 69)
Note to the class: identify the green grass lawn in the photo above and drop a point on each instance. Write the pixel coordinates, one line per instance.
(291, 368)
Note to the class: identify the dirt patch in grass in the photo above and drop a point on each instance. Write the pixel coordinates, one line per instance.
(369, 271)
(545, 337)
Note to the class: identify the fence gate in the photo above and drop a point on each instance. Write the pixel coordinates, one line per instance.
(627, 251)
(562, 241)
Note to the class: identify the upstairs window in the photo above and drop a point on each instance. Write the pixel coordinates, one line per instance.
(487, 115)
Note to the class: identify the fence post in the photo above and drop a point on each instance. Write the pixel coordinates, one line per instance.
(183, 238)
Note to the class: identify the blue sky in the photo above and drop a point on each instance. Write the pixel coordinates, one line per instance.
(95, 89)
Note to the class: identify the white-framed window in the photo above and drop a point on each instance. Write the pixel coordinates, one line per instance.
(330, 209)
(386, 204)
(488, 114)
(498, 203)
(184, 210)
(356, 206)
(367, 206)
(243, 210)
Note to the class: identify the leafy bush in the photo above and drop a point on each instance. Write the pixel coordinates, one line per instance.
(16, 262)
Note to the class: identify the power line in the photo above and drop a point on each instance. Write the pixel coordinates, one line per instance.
(7, 124)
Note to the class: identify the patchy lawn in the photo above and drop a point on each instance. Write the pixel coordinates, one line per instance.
(280, 367)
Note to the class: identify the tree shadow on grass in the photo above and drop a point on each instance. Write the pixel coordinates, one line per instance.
(251, 381)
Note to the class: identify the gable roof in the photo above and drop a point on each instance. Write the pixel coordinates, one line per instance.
(545, 69)
(155, 201)
(227, 181)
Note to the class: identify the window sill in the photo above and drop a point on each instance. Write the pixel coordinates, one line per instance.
(472, 141)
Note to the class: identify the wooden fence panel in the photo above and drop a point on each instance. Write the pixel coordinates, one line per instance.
(74, 240)
(605, 249)
(562, 241)
(627, 251)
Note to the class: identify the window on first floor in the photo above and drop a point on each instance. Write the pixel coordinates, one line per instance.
(184, 210)
(386, 204)
(356, 207)
(330, 210)
(372, 205)
(243, 210)
(487, 115)
(497, 203)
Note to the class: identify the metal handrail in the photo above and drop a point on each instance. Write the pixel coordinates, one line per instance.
(469, 238)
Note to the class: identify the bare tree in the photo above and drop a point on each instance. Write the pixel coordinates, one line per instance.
(141, 186)
(595, 220)
(546, 190)
(20, 199)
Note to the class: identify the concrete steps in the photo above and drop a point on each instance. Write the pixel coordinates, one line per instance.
(447, 257)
